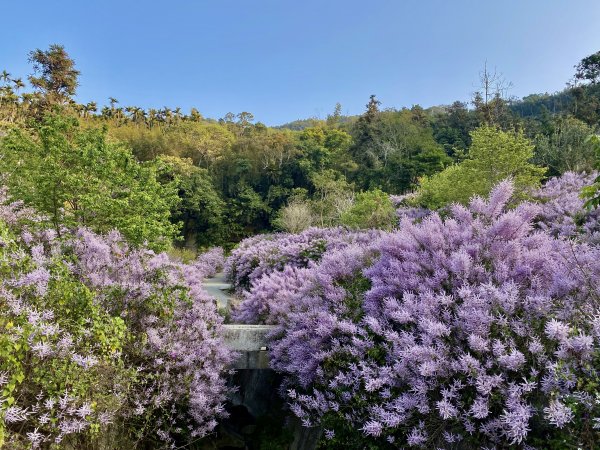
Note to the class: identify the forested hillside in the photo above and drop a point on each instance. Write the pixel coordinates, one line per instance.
(205, 182)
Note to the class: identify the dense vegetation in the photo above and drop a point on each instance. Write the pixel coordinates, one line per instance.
(103, 344)
(474, 330)
(216, 181)
(433, 281)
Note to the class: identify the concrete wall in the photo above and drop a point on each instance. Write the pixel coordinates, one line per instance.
(251, 343)
(258, 384)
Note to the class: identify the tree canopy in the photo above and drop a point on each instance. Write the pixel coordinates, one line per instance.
(493, 156)
(234, 176)
(80, 178)
(55, 76)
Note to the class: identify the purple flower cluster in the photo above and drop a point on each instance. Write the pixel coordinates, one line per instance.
(271, 297)
(468, 329)
(562, 208)
(409, 212)
(132, 324)
(210, 262)
(412, 213)
(261, 255)
(184, 358)
(64, 414)
(15, 212)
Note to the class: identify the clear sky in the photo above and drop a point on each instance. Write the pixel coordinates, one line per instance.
(283, 60)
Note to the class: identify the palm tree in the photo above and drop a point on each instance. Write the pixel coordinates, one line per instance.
(166, 114)
(152, 116)
(195, 115)
(79, 108)
(27, 98)
(119, 113)
(92, 107)
(177, 113)
(113, 101)
(85, 110)
(18, 82)
(5, 76)
(6, 95)
(106, 112)
(139, 115)
(131, 111)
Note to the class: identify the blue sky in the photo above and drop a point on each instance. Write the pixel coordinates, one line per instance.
(283, 60)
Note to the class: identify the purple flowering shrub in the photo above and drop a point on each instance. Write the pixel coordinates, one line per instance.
(563, 212)
(261, 255)
(281, 266)
(97, 337)
(472, 331)
(271, 297)
(412, 213)
(404, 208)
(60, 371)
(210, 262)
(182, 358)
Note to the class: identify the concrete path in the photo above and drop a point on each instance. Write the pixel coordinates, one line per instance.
(249, 341)
(218, 287)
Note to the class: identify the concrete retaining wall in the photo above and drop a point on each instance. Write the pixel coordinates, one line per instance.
(257, 383)
(251, 342)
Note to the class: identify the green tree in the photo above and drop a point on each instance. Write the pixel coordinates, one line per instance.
(592, 193)
(586, 103)
(146, 143)
(334, 119)
(588, 69)
(371, 209)
(201, 209)
(79, 178)
(247, 212)
(394, 148)
(259, 163)
(404, 151)
(332, 196)
(452, 127)
(204, 143)
(493, 156)
(322, 148)
(364, 133)
(566, 148)
(55, 76)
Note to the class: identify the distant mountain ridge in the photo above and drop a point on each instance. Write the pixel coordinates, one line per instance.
(533, 106)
